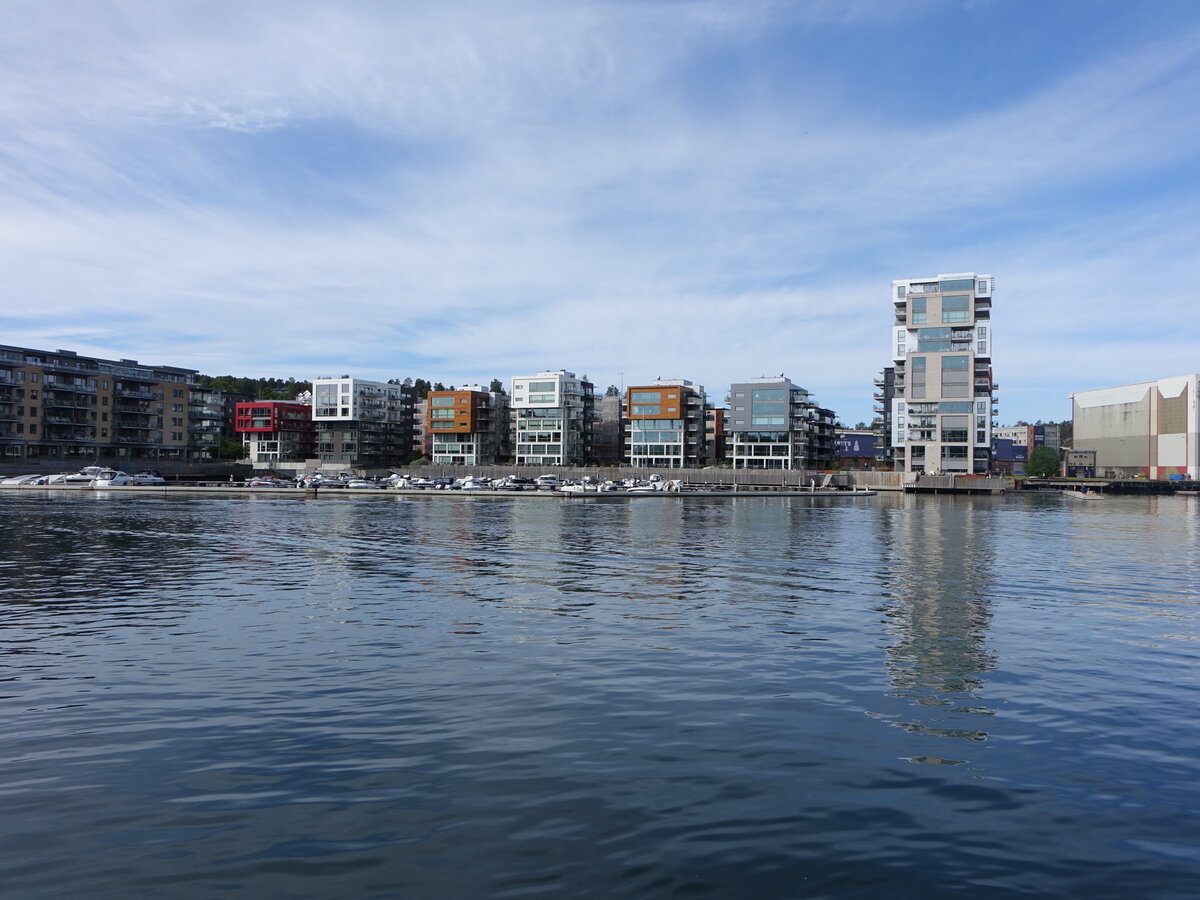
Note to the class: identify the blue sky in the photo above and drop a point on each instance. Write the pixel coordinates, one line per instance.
(631, 190)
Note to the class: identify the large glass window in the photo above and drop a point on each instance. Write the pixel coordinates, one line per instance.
(536, 386)
(766, 420)
(956, 376)
(918, 310)
(958, 284)
(441, 401)
(645, 396)
(770, 409)
(772, 394)
(645, 410)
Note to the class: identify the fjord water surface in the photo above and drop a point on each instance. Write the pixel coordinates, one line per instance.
(642, 697)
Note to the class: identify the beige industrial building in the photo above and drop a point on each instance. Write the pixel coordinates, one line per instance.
(1148, 429)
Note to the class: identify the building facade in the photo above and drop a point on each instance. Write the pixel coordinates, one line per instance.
(885, 394)
(468, 427)
(552, 419)
(1031, 436)
(665, 425)
(944, 393)
(608, 436)
(775, 424)
(362, 423)
(276, 431)
(714, 434)
(1150, 429)
(60, 406)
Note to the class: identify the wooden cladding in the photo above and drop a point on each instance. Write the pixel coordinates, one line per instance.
(454, 412)
(654, 402)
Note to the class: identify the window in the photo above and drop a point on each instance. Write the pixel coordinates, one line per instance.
(542, 386)
(645, 410)
(918, 310)
(981, 347)
(768, 395)
(441, 401)
(958, 284)
(916, 383)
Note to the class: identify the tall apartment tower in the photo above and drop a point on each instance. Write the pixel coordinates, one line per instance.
(775, 424)
(665, 425)
(553, 416)
(942, 406)
(469, 427)
(363, 423)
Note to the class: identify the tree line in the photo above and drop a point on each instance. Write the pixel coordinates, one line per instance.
(280, 389)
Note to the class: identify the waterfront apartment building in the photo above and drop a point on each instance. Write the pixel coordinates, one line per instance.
(608, 436)
(206, 420)
(1150, 429)
(276, 431)
(62, 407)
(775, 424)
(1031, 436)
(714, 434)
(363, 423)
(665, 425)
(885, 393)
(468, 427)
(552, 419)
(941, 414)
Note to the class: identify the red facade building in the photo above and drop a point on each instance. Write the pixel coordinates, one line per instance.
(277, 430)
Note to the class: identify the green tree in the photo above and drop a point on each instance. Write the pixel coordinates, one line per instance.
(613, 391)
(1043, 463)
(232, 450)
(497, 386)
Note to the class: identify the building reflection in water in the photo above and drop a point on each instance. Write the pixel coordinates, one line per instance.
(938, 611)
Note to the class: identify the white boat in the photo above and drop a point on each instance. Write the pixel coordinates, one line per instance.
(147, 478)
(475, 483)
(361, 484)
(586, 485)
(547, 483)
(111, 478)
(1083, 494)
(86, 475)
(22, 479)
(268, 481)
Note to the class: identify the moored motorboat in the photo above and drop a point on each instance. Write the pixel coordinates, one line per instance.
(111, 478)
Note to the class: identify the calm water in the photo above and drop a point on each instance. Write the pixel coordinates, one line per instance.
(886, 697)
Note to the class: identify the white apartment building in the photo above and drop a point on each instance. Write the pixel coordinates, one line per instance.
(362, 423)
(943, 405)
(552, 419)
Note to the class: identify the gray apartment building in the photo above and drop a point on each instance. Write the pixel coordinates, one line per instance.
(775, 424)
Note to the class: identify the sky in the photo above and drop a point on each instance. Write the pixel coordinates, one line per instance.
(628, 189)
